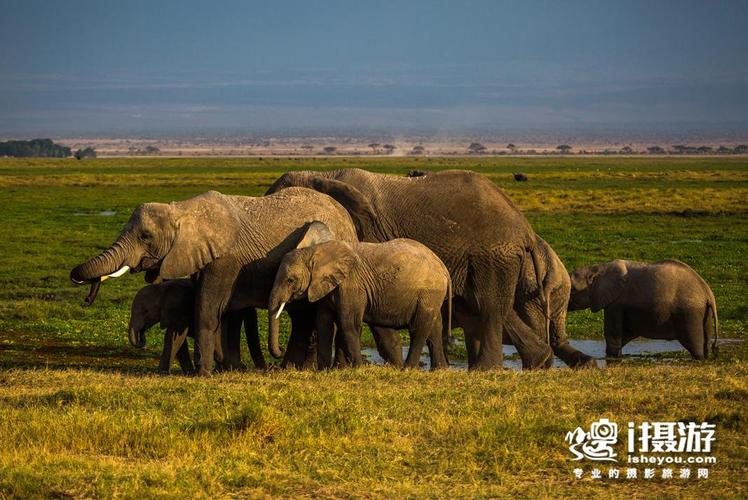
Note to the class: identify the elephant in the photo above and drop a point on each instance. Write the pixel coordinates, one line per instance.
(557, 286)
(397, 284)
(172, 304)
(234, 244)
(661, 300)
(466, 220)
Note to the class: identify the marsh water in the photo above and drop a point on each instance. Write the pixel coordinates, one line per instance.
(651, 349)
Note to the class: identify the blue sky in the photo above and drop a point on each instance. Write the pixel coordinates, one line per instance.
(188, 67)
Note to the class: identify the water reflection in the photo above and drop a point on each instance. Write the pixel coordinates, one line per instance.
(644, 348)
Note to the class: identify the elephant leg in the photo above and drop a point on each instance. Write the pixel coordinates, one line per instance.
(573, 358)
(350, 331)
(469, 321)
(471, 331)
(494, 299)
(533, 350)
(418, 335)
(691, 336)
(341, 358)
(174, 343)
(216, 282)
(613, 324)
(388, 345)
(164, 364)
(185, 361)
(325, 333)
(434, 341)
(491, 354)
(301, 350)
(231, 328)
(253, 337)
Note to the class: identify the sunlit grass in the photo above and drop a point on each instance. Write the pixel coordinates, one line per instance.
(371, 432)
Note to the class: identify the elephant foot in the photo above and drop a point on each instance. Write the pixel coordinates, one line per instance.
(548, 362)
(439, 365)
(574, 358)
(482, 365)
(203, 372)
(585, 362)
(540, 359)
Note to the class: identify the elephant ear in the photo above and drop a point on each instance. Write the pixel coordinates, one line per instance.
(361, 211)
(316, 232)
(206, 228)
(608, 284)
(331, 264)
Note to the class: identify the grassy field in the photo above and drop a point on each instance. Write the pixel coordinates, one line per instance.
(82, 415)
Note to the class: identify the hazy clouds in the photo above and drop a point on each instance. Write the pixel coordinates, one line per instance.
(156, 67)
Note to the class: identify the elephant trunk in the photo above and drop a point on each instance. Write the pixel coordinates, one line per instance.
(137, 334)
(108, 262)
(275, 308)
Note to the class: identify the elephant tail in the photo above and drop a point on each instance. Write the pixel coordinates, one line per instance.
(447, 317)
(544, 303)
(449, 306)
(711, 328)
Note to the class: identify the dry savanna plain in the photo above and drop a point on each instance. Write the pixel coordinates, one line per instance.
(82, 414)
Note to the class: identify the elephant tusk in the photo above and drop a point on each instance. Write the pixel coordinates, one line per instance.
(280, 310)
(75, 281)
(118, 273)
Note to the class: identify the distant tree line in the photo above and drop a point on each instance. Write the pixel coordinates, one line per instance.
(476, 148)
(148, 150)
(44, 148)
(84, 153)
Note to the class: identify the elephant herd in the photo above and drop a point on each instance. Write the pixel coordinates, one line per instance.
(337, 249)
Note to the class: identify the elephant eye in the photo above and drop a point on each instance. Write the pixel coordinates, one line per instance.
(145, 236)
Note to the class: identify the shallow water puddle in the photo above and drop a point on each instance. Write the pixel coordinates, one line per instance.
(641, 348)
(103, 213)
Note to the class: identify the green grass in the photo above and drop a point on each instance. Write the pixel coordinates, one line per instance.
(81, 414)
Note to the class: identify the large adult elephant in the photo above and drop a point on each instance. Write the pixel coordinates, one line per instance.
(468, 221)
(236, 244)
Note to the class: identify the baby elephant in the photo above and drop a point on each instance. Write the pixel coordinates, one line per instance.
(397, 284)
(663, 300)
(172, 304)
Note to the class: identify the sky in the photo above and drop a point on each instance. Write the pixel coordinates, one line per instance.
(193, 67)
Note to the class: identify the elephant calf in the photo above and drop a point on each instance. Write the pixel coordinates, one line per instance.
(396, 284)
(172, 304)
(662, 300)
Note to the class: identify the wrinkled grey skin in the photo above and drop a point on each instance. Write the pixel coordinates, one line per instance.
(397, 284)
(530, 311)
(171, 304)
(662, 300)
(235, 242)
(465, 219)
